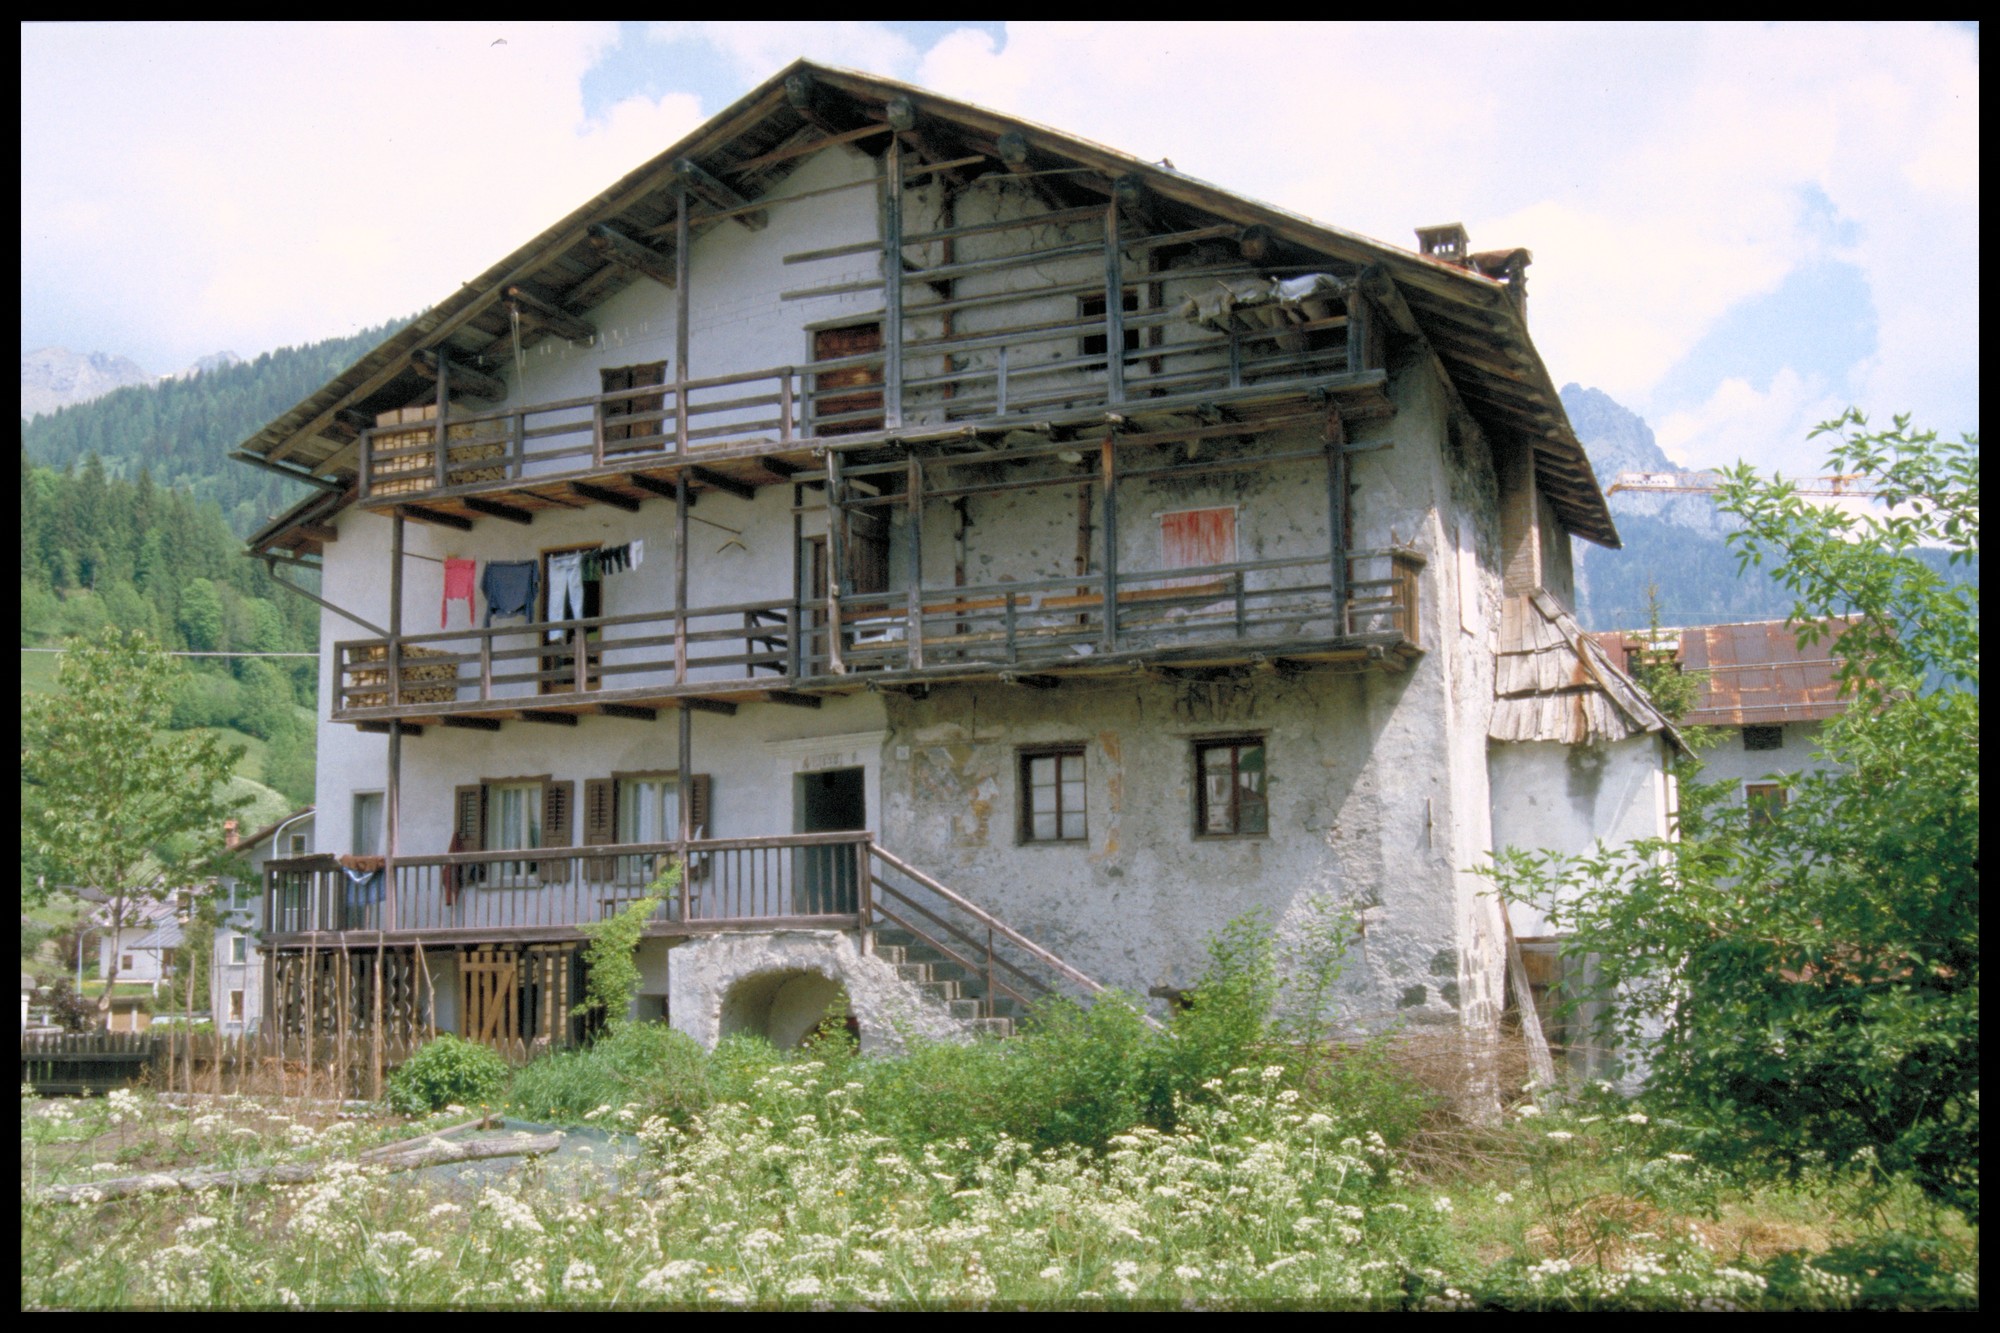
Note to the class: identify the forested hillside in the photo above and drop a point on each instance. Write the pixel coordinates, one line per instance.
(183, 429)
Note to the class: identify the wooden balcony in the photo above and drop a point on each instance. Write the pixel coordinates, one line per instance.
(741, 431)
(790, 651)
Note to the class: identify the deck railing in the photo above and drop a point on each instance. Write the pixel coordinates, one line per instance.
(1028, 371)
(1000, 626)
(807, 878)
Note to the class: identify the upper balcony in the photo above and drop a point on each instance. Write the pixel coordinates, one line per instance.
(1234, 348)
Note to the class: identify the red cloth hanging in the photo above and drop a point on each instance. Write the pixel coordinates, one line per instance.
(458, 581)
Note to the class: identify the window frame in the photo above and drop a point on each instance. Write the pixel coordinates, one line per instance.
(1766, 738)
(1092, 305)
(380, 826)
(1201, 748)
(236, 1006)
(239, 950)
(1766, 802)
(1025, 757)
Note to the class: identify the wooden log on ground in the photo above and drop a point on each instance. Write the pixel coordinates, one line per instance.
(292, 1173)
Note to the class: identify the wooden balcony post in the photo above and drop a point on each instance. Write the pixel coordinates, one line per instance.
(914, 630)
(836, 562)
(680, 318)
(1336, 517)
(363, 448)
(892, 284)
(393, 654)
(597, 433)
(800, 652)
(443, 403)
(1114, 307)
(785, 403)
(485, 667)
(518, 428)
(392, 818)
(1108, 468)
(681, 579)
(685, 784)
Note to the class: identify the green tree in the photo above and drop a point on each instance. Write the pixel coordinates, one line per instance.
(1809, 984)
(109, 800)
(201, 616)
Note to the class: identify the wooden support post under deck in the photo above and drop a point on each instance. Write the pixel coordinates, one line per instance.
(393, 654)
(1114, 307)
(392, 788)
(1108, 466)
(680, 578)
(914, 630)
(392, 818)
(680, 319)
(1336, 516)
(836, 558)
(892, 277)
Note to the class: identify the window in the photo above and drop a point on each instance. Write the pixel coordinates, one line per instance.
(623, 436)
(1766, 800)
(239, 949)
(296, 842)
(368, 816)
(1229, 788)
(508, 813)
(847, 400)
(1092, 307)
(1052, 795)
(236, 1006)
(1763, 738)
(639, 808)
(125, 962)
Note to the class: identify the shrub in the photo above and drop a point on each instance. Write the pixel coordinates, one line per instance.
(448, 1071)
(650, 1065)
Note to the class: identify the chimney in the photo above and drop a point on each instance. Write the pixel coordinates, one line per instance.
(229, 836)
(1446, 242)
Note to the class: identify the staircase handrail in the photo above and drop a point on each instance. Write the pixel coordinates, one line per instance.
(987, 919)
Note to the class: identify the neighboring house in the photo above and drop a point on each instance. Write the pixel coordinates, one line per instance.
(1767, 696)
(143, 947)
(994, 562)
(236, 976)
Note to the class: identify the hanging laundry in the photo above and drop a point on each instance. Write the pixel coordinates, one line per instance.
(458, 581)
(613, 559)
(510, 587)
(364, 887)
(565, 590)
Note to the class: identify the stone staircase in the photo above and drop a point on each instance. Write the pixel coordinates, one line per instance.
(944, 983)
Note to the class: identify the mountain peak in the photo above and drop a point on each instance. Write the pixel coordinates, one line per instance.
(55, 377)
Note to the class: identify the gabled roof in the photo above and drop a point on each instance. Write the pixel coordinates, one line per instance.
(1553, 682)
(1475, 323)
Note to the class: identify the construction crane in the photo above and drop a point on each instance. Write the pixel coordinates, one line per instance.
(1842, 486)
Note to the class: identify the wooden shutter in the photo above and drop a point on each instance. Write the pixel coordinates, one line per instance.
(848, 389)
(600, 823)
(557, 800)
(469, 817)
(697, 794)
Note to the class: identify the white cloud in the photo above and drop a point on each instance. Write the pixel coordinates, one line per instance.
(1766, 426)
(758, 50)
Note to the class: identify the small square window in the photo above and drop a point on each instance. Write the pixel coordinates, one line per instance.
(1766, 801)
(1092, 307)
(1763, 738)
(1052, 796)
(1230, 795)
(239, 949)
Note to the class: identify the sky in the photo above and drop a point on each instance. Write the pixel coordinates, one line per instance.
(1737, 230)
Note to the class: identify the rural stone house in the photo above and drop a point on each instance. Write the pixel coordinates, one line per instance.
(992, 562)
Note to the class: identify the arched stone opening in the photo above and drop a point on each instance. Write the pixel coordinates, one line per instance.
(784, 1007)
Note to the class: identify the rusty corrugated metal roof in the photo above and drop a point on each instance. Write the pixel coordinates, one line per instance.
(1757, 675)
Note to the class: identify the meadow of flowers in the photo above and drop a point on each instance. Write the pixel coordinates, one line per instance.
(795, 1189)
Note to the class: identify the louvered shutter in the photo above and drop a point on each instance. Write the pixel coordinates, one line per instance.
(469, 817)
(557, 800)
(600, 824)
(699, 819)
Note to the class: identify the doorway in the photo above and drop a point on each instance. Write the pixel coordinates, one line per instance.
(827, 879)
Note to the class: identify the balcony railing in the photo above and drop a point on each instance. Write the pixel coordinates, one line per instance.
(802, 879)
(1029, 371)
(1282, 602)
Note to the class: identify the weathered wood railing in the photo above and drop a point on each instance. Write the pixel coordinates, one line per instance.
(1028, 624)
(738, 641)
(546, 892)
(1028, 370)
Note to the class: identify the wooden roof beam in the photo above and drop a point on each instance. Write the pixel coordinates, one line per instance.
(602, 495)
(463, 377)
(1014, 154)
(424, 514)
(497, 509)
(742, 490)
(543, 310)
(719, 194)
(618, 248)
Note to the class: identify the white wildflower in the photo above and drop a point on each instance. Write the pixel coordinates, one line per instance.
(581, 1276)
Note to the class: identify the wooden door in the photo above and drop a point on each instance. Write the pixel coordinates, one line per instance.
(854, 389)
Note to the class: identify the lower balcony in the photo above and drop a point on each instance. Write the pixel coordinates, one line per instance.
(1218, 616)
(816, 880)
